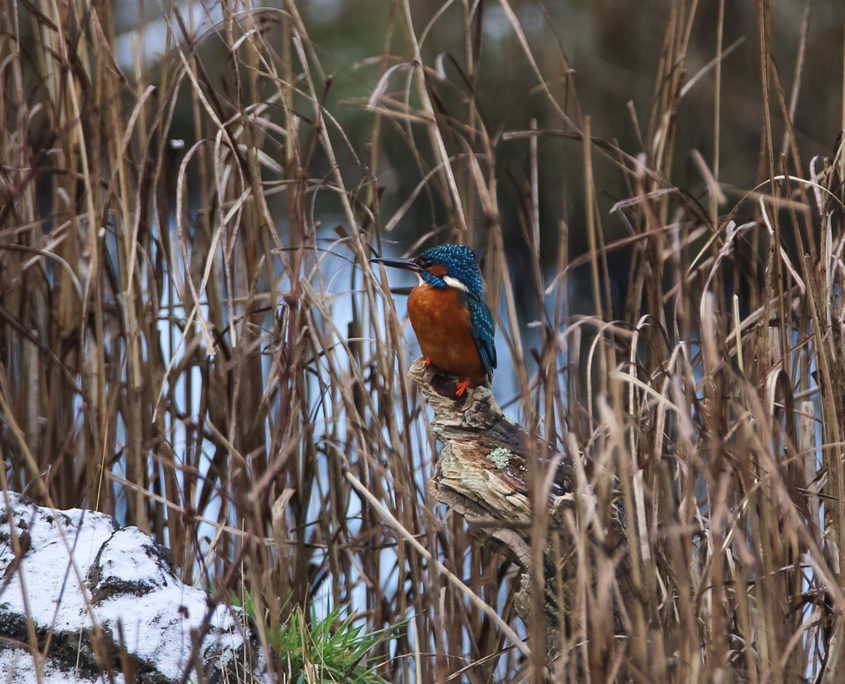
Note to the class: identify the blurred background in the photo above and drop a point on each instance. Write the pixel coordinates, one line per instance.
(598, 59)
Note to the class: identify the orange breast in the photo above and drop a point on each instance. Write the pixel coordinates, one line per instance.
(442, 326)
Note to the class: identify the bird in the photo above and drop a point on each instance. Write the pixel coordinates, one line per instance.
(448, 313)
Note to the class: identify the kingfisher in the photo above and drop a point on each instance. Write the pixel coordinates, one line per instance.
(449, 315)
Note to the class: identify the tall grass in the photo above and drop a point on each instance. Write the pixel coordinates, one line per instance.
(191, 336)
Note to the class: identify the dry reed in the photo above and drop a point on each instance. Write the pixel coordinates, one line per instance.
(191, 337)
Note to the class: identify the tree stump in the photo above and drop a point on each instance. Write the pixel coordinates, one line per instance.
(485, 473)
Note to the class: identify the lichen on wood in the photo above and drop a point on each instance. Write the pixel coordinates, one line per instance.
(482, 474)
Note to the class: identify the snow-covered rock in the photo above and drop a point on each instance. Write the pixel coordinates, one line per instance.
(93, 591)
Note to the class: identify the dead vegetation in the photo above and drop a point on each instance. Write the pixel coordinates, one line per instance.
(191, 337)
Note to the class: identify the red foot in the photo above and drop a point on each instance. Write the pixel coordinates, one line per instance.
(427, 362)
(462, 387)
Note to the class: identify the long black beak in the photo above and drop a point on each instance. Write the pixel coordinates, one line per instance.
(407, 264)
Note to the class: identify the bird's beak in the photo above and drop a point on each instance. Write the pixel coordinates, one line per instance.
(407, 264)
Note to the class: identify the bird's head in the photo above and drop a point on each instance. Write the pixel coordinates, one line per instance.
(448, 265)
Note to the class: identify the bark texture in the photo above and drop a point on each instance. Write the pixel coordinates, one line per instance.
(490, 471)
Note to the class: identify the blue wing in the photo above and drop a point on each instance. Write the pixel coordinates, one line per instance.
(482, 331)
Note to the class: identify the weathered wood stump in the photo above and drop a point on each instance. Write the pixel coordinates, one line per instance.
(486, 473)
